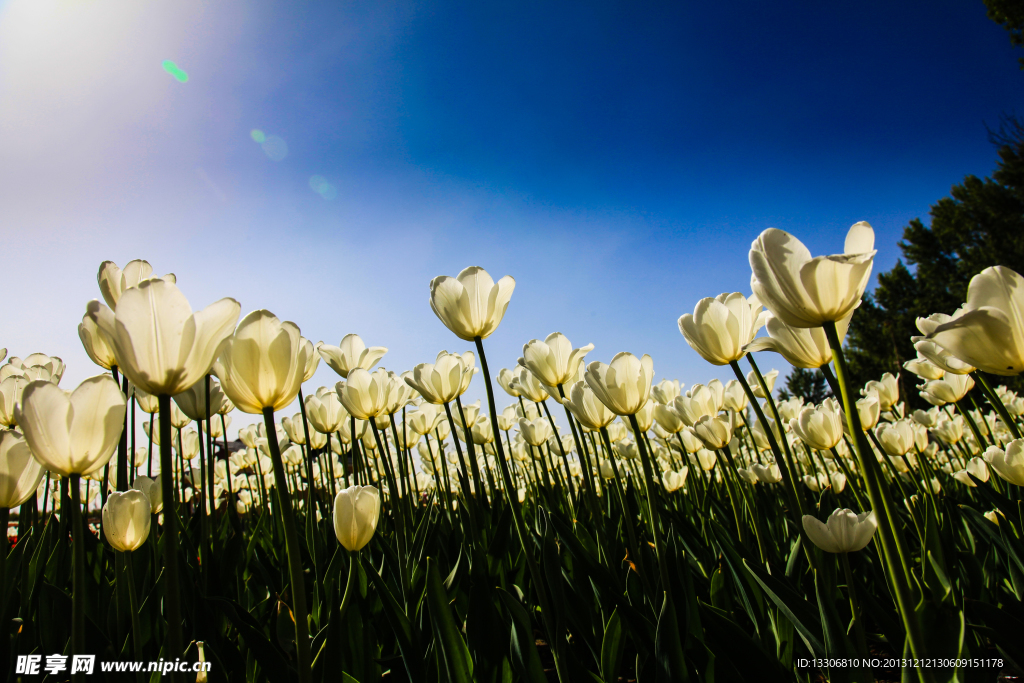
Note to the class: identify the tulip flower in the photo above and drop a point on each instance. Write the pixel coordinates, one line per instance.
(263, 363)
(113, 281)
(34, 366)
(76, 433)
(715, 431)
(950, 389)
(192, 401)
(1008, 464)
(937, 355)
(768, 474)
(585, 406)
(160, 345)
(325, 411)
(807, 292)
(924, 368)
(868, 411)
(154, 494)
(96, 344)
(20, 472)
(734, 396)
(126, 520)
(802, 347)
(700, 400)
(365, 394)
(506, 380)
(675, 480)
(527, 384)
(897, 438)
(350, 354)
(989, 333)
(977, 468)
(887, 390)
(356, 510)
(11, 390)
(471, 305)
(553, 361)
(720, 327)
(821, 427)
(844, 532)
(439, 382)
(536, 432)
(666, 391)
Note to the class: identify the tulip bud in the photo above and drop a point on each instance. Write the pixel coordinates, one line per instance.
(126, 520)
(20, 472)
(844, 532)
(356, 510)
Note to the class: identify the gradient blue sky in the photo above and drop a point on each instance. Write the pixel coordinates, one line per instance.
(616, 159)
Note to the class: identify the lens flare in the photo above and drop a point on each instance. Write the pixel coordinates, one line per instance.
(274, 147)
(323, 188)
(258, 135)
(176, 71)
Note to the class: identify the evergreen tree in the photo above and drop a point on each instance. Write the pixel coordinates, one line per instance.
(980, 225)
(810, 385)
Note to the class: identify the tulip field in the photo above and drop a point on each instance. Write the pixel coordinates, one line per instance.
(583, 524)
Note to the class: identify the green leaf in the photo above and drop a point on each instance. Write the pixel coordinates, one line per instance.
(270, 659)
(457, 660)
(405, 632)
(523, 644)
(796, 609)
(612, 644)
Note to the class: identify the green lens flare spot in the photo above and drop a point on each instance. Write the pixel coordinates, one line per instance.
(175, 70)
(258, 136)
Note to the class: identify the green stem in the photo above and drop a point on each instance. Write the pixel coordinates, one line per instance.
(858, 626)
(996, 403)
(892, 545)
(291, 541)
(652, 498)
(78, 549)
(133, 604)
(172, 599)
(517, 517)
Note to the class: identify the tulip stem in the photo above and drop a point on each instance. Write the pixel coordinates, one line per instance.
(892, 545)
(652, 505)
(309, 456)
(467, 432)
(133, 604)
(172, 600)
(858, 626)
(291, 541)
(998, 404)
(396, 504)
(634, 549)
(517, 516)
(78, 549)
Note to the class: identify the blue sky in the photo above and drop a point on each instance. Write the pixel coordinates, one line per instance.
(616, 160)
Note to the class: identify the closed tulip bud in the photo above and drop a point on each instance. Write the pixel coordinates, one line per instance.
(421, 421)
(834, 480)
(160, 345)
(535, 432)
(192, 401)
(147, 402)
(325, 411)
(11, 390)
(977, 468)
(187, 443)
(1008, 464)
(668, 419)
(769, 381)
(627, 450)
(720, 327)
(263, 363)
(20, 472)
(585, 406)
(760, 438)
(807, 292)
(96, 345)
(868, 411)
(154, 494)
(699, 401)
(294, 429)
(802, 347)
(356, 511)
(553, 361)
(399, 394)
(821, 427)
(616, 431)
(938, 356)
(705, 459)
(481, 431)
(887, 390)
(76, 433)
(471, 305)
(350, 354)
(988, 332)
(844, 532)
(126, 520)
(439, 382)
(217, 427)
(675, 480)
